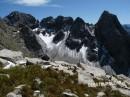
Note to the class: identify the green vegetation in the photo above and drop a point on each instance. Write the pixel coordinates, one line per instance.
(109, 93)
(53, 83)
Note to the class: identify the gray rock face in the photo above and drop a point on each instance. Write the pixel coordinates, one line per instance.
(7, 39)
(12, 38)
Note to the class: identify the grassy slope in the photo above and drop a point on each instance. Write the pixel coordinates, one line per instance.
(53, 83)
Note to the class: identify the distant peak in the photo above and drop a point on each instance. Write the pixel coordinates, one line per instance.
(16, 18)
(14, 13)
(106, 12)
(80, 20)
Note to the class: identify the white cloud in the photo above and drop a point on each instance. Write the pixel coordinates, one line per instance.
(54, 5)
(30, 2)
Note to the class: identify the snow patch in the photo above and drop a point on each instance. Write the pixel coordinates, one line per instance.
(83, 52)
(38, 29)
(47, 39)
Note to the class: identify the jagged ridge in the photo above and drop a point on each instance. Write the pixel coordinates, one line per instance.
(63, 38)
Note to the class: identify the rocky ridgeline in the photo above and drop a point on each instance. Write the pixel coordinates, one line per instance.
(105, 45)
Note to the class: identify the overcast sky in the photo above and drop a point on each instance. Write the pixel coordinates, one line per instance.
(89, 10)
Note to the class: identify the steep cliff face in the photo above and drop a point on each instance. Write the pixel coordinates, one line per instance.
(111, 36)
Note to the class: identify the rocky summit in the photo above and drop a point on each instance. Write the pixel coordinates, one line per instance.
(16, 18)
(114, 39)
(85, 55)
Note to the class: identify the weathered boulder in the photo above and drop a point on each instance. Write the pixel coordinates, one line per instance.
(11, 58)
(34, 61)
(68, 93)
(100, 94)
(11, 94)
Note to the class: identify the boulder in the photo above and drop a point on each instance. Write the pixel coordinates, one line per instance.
(34, 61)
(100, 94)
(38, 94)
(68, 93)
(86, 95)
(11, 58)
(11, 94)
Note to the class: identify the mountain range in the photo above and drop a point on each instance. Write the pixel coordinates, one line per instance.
(105, 44)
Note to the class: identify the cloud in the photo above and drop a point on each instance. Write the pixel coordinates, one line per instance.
(54, 5)
(30, 2)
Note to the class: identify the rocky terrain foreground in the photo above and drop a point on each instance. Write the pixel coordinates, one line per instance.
(63, 57)
(33, 77)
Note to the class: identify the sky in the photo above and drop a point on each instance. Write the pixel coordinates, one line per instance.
(89, 10)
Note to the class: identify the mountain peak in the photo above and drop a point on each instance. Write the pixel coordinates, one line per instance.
(15, 18)
(106, 12)
(15, 12)
(79, 20)
(111, 35)
(108, 17)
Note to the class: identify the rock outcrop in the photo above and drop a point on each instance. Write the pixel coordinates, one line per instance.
(11, 58)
